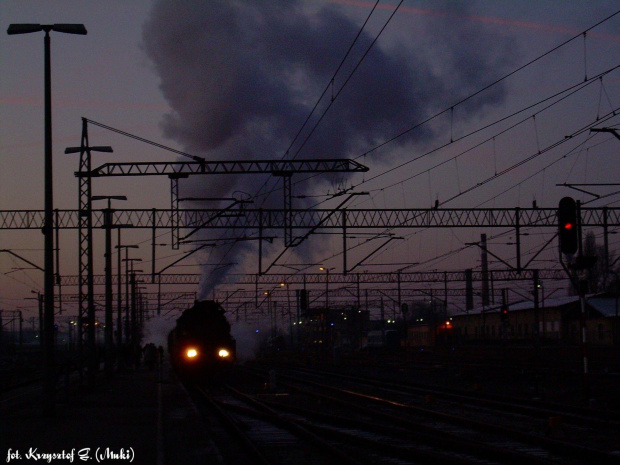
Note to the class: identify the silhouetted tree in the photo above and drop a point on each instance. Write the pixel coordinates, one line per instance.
(599, 278)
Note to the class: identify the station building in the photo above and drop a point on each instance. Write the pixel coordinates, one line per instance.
(558, 321)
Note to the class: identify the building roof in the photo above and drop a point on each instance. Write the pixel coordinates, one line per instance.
(605, 304)
(608, 306)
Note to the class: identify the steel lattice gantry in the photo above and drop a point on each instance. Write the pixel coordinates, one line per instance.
(314, 220)
(392, 286)
(175, 171)
(274, 167)
(318, 219)
(275, 279)
(179, 170)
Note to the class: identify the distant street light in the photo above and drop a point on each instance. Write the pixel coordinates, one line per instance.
(49, 381)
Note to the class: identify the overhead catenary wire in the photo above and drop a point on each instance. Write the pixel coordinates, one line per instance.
(384, 187)
(471, 96)
(346, 81)
(146, 141)
(514, 166)
(330, 85)
(560, 96)
(411, 128)
(487, 87)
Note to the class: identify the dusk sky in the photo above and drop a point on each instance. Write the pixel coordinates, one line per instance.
(236, 80)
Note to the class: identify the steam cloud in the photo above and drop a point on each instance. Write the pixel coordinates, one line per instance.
(156, 330)
(242, 76)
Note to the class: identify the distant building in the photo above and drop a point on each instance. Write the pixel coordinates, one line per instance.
(557, 320)
(343, 328)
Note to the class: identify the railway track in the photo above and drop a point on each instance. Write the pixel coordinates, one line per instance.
(18, 395)
(24, 390)
(390, 424)
(582, 416)
(271, 434)
(266, 437)
(547, 380)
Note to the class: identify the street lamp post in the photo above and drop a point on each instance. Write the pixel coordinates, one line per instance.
(135, 340)
(154, 245)
(130, 277)
(324, 268)
(120, 310)
(109, 320)
(270, 314)
(40, 303)
(327, 313)
(142, 304)
(48, 390)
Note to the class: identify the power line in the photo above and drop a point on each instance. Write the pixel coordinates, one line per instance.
(507, 170)
(334, 97)
(492, 84)
(564, 94)
(469, 97)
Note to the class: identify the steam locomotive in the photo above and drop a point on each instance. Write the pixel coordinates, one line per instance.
(201, 343)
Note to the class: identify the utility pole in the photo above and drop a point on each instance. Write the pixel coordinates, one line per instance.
(109, 319)
(127, 261)
(485, 270)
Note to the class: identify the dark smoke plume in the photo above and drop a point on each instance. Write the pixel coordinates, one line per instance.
(242, 76)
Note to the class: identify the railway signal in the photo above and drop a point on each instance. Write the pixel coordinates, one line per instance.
(567, 226)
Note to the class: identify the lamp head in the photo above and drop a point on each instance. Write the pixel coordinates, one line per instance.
(23, 28)
(28, 28)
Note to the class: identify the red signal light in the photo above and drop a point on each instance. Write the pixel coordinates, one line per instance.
(567, 226)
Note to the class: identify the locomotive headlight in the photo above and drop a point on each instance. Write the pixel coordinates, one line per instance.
(191, 353)
(223, 353)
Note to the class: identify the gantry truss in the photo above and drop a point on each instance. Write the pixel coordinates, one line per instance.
(369, 290)
(275, 279)
(175, 171)
(316, 219)
(273, 167)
